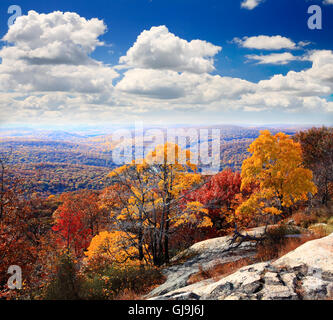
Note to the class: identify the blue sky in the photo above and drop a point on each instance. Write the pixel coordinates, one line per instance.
(135, 93)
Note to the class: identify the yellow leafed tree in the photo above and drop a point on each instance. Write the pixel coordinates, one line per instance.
(118, 246)
(151, 201)
(275, 167)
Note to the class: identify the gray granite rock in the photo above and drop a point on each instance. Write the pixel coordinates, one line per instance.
(314, 288)
(277, 292)
(305, 273)
(205, 254)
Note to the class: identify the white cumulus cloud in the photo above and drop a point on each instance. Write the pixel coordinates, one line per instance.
(273, 58)
(50, 52)
(263, 42)
(158, 48)
(189, 87)
(54, 38)
(47, 73)
(250, 4)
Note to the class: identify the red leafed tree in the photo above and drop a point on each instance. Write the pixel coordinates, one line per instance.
(220, 195)
(76, 221)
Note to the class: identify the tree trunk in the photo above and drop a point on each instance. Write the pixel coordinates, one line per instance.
(140, 239)
(166, 243)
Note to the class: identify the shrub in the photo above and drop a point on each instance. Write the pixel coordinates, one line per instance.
(281, 240)
(65, 284)
(112, 282)
(322, 229)
(303, 219)
(292, 243)
(219, 270)
(321, 214)
(330, 221)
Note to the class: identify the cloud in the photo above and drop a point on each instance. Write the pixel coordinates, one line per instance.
(41, 81)
(263, 42)
(317, 80)
(50, 52)
(54, 38)
(250, 4)
(274, 58)
(302, 44)
(304, 90)
(160, 84)
(190, 87)
(158, 48)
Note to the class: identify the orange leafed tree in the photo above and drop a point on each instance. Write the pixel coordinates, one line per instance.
(276, 167)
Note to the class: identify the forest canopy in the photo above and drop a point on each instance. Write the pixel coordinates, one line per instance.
(103, 240)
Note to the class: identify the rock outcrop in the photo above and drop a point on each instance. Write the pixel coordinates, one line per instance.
(305, 273)
(203, 255)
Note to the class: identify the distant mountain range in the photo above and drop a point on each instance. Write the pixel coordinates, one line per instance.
(85, 133)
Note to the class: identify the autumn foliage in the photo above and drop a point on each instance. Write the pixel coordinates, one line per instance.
(317, 152)
(276, 166)
(220, 195)
(117, 247)
(76, 221)
(149, 206)
(100, 244)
